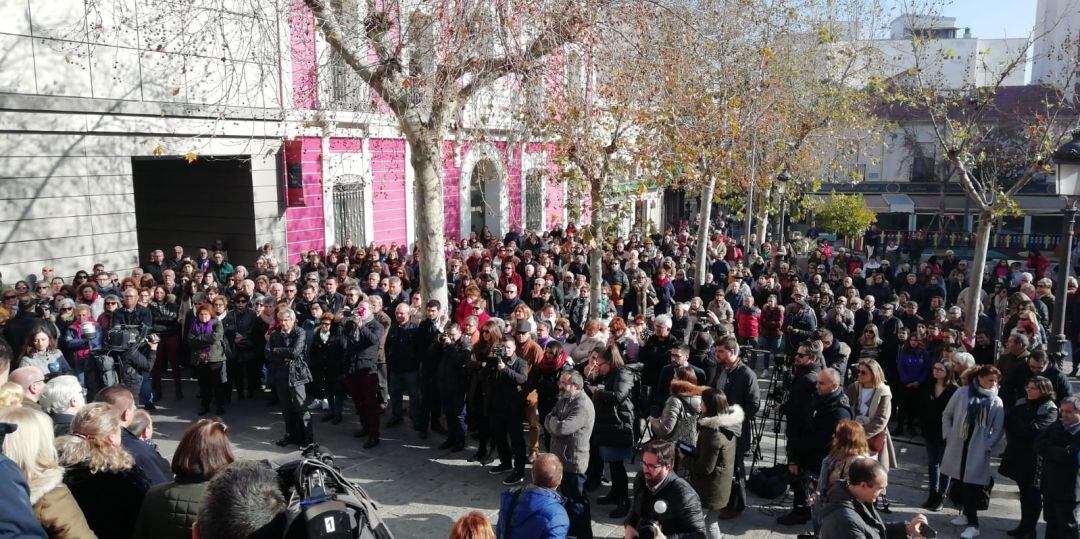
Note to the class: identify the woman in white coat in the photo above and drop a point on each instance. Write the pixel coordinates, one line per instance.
(972, 424)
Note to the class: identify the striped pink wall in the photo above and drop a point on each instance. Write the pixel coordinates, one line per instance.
(388, 190)
(304, 225)
(305, 65)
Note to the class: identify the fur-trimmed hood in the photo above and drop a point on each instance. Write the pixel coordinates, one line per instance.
(682, 388)
(732, 419)
(44, 483)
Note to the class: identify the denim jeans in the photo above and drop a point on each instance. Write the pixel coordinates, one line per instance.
(769, 344)
(399, 384)
(939, 482)
(146, 393)
(453, 404)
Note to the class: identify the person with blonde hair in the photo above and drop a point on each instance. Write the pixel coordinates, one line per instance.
(31, 447)
(871, 400)
(11, 395)
(100, 473)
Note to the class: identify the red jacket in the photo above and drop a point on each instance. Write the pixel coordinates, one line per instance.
(746, 320)
(772, 320)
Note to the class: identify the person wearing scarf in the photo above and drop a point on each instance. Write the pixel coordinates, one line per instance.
(973, 423)
(205, 340)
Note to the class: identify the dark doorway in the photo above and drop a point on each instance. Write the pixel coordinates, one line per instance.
(193, 204)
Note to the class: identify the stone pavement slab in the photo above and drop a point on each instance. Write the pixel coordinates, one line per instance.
(421, 490)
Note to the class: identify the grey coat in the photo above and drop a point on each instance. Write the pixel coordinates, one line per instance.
(570, 424)
(983, 438)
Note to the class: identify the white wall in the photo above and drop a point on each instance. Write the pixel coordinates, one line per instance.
(1057, 38)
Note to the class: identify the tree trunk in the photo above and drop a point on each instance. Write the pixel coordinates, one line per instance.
(596, 251)
(704, 220)
(978, 266)
(430, 234)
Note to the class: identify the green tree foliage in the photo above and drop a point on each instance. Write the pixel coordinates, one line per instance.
(844, 215)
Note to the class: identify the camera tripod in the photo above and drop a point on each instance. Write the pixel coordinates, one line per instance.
(776, 394)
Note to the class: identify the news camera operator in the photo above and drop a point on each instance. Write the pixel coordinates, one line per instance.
(453, 349)
(503, 376)
(363, 336)
(665, 505)
(797, 409)
(285, 353)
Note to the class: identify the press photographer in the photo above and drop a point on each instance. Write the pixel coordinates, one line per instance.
(664, 503)
(503, 376)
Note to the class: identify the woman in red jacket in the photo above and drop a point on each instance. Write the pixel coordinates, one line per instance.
(772, 320)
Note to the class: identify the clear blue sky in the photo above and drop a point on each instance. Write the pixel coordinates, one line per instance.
(991, 18)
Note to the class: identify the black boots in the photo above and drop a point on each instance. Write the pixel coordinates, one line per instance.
(934, 503)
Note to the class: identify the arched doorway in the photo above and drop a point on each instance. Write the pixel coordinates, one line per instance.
(485, 197)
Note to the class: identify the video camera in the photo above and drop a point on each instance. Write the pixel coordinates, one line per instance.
(323, 504)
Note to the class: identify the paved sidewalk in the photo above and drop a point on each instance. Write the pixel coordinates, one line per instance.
(420, 490)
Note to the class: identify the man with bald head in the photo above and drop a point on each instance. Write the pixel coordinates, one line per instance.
(32, 380)
(811, 443)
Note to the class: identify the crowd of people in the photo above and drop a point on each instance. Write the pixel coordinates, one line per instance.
(521, 365)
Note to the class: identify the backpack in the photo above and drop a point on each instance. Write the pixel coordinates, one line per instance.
(685, 430)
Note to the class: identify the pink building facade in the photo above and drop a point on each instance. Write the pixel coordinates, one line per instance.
(491, 184)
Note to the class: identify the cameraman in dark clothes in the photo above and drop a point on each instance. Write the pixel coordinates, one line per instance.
(504, 377)
(665, 505)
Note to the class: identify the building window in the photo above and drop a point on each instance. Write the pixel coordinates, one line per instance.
(349, 210)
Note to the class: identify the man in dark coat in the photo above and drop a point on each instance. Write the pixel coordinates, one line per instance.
(146, 456)
(286, 353)
(663, 499)
(809, 440)
(426, 334)
(453, 349)
(363, 337)
(504, 378)
(739, 383)
(1059, 446)
(403, 368)
(834, 352)
(850, 510)
(1012, 386)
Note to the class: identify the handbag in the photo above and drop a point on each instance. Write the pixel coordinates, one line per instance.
(876, 443)
(769, 483)
(982, 502)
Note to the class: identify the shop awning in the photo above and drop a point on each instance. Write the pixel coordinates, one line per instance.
(899, 203)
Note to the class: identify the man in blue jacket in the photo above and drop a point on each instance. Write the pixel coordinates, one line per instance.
(536, 511)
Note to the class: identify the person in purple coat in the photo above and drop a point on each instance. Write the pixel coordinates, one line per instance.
(913, 364)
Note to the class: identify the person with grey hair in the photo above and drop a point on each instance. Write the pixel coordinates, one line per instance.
(242, 500)
(286, 352)
(363, 335)
(62, 398)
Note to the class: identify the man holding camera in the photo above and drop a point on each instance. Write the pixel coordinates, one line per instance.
(363, 338)
(850, 511)
(664, 503)
(454, 349)
(504, 377)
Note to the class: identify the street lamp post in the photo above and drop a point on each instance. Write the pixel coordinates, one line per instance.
(1067, 160)
(782, 181)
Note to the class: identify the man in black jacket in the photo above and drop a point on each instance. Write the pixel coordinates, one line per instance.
(1037, 364)
(453, 349)
(834, 352)
(800, 320)
(739, 382)
(808, 441)
(426, 334)
(1058, 446)
(503, 375)
(849, 511)
(663, 501)
(146, 456)
(403, 368)
(363, 337)
(798, 409)
(286, 354)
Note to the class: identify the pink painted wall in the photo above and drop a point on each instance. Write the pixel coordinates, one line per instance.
(554, 190)
(388, 190)
(304, 225)
(305, 65)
